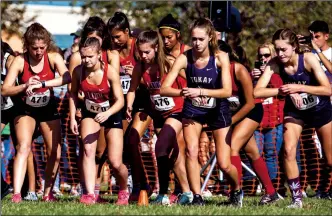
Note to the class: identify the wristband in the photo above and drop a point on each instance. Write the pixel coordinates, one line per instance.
(43, 84)
(319, 51)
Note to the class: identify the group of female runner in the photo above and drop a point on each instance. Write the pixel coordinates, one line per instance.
(119, 83)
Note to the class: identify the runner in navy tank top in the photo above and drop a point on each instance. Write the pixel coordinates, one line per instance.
(169, 29)
(307, 92)
(244, 123)
(205, 102)
(101, 108)
(35, 72)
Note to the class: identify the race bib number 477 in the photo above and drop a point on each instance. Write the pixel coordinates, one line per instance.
(125, 83)
(204, 102)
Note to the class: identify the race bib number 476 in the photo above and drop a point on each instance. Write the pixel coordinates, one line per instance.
(162, 103)
(39, 99)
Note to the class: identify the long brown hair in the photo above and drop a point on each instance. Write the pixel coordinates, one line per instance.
(206, 24)
(287, 34)
(37, 32)
(155, 40)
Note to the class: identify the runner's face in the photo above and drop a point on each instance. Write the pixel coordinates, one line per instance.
(284, 50)
(120, 37)
(37, 49)
(94, 34)
(90, 56)
(200, 39)
(147, 52)
(170, 38)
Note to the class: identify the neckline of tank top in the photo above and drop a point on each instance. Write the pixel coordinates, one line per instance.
(181, 51)
(92, 84)
(45, 63)
(131, 52)
(203, 68)
(300, 66)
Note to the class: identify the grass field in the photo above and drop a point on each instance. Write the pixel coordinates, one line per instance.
(214, 206)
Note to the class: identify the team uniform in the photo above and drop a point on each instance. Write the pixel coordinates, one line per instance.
(315, 111)
(237, 100)
(42, 105)
(162, 108)
(97, 100)
(8, 108)
(213, 111)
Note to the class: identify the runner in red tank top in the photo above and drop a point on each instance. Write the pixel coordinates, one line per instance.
(165, 111)
(124, 43)
(95, 27)
(246, 117)
(96, 79)
(34, 70)
(169, 29)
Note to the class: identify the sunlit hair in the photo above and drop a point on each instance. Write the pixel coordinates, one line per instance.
(268, 45)
(154, 39)
(287, 34)
(205, 23)
(37, 32)
(118, 22)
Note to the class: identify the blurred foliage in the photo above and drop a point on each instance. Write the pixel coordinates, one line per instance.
(260, 19)
(12, 17)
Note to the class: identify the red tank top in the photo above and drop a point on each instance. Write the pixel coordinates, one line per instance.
(45, 74)
(130, 59)
(237, 99)
(96, 93)
(164, 105)
(273, 107)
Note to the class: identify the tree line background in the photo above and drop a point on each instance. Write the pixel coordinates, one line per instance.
(260, 19)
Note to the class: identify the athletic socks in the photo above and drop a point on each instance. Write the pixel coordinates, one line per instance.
(163, 174)
(262, 172)
(236, 161)
(97, 189)
(295, 188)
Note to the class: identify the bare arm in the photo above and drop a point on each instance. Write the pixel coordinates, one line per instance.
(114, 59)
(166, 87)
(73, 100)
(226, 80)
(114, 79)
(135, 81)
(261, 90)
(8, 87)
(324, 87)
(74, 61)
(9, 61)
(243, 77)
(61, 68)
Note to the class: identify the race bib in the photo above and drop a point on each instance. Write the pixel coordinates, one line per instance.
(96, 107)
(162, 103)
(6, 103)
(205, 102)
(125, 83)
(38, 99)
(308, 101)
(234, 103)
(268, 100)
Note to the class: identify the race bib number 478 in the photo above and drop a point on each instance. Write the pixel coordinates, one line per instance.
(39, 99)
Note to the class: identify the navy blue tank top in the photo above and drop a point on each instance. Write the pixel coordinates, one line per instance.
(302, 76)
(208, 77)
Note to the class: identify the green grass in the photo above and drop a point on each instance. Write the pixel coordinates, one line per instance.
(70, 206)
